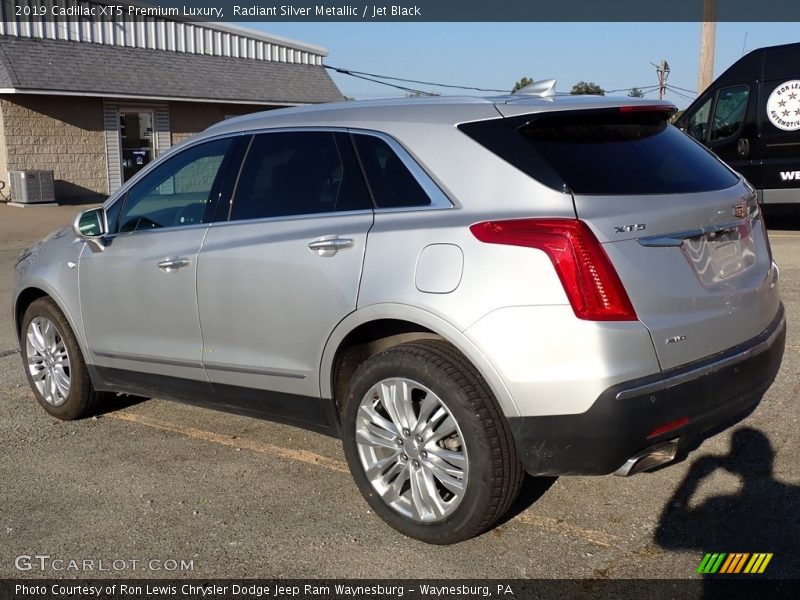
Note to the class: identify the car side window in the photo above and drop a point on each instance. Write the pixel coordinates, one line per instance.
(391, 182)
(729, 111)
(697, 125)
(299, 173)
(178, 191)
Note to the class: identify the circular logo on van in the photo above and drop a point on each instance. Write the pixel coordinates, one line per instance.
(783, 106)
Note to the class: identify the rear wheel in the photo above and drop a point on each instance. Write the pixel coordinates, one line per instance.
(54, 364)
(427, 444)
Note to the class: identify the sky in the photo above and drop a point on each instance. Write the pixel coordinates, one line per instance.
(496, 55)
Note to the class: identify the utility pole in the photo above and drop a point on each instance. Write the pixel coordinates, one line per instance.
(707, 42)
(662, 70)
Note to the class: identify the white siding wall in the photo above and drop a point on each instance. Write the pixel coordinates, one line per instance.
(146, 32)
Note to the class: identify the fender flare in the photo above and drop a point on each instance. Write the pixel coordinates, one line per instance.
(429, 320)
(50, 292)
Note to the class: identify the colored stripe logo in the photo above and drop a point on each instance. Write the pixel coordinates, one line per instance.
(734, 562)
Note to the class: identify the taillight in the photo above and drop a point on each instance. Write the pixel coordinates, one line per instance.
(592, 285)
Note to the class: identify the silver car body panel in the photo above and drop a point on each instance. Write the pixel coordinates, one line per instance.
(268, 303)
(144, 318)
(502, 306)
(698, 295)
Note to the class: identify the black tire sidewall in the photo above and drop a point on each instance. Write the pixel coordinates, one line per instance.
(467, 520)
(80, 389)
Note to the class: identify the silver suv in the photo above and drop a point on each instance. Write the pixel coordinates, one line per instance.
(463, 290)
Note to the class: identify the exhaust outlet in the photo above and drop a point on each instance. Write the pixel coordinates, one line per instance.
(649, 458)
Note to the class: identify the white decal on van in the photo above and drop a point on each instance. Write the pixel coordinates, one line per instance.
(790, 175)
(783, 106)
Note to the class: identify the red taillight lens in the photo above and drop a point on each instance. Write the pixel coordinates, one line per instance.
(590, 281)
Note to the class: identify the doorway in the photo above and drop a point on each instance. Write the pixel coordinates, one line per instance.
(136, 140)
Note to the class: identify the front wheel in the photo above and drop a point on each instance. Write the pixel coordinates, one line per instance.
(54, 364)
(427, 445)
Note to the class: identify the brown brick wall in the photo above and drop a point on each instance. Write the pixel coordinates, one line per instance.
(61, 134)
(187, 118)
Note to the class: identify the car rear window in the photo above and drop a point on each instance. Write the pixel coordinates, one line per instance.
(604, 151)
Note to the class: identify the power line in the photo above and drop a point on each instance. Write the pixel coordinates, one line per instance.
(376, 78)
(683, 89)
(399, 87)
(675, 91)
(364, 74)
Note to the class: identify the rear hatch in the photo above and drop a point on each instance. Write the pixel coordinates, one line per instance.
(682, 230)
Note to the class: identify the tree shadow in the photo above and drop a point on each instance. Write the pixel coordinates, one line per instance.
(763, 516)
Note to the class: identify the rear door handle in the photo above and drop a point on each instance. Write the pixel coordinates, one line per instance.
(173, 264)
(330, 247)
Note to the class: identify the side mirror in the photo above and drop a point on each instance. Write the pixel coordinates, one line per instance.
(90, 226)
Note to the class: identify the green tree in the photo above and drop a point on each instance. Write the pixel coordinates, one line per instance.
(521, 84)
(636, 93)
(584, 87)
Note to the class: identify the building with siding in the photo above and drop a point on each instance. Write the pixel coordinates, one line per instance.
(94, 101)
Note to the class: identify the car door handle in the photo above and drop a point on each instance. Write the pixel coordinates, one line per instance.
(173, 264)
(329, 247)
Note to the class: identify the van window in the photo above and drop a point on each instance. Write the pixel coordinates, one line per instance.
(604, 151)
(729, 112)
(299, 173)
(697, 125)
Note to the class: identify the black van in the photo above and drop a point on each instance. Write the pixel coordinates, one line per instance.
(750, 117)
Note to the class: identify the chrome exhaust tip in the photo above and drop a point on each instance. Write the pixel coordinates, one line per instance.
(649, 458)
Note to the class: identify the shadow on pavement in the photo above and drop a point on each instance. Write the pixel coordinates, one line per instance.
(110, 402)
(785, 217)
(763, 516)
(532, 489)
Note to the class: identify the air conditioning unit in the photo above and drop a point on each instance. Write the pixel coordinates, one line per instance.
(31, 187)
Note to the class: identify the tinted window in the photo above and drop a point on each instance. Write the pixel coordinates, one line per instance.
(392, 184)
(729, 111)
(605, 152)
(178, 191)
(297, 173)
(697, 126)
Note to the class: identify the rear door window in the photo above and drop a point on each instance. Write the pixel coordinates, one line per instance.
(605, 151)
(392, 184)
(299, 173)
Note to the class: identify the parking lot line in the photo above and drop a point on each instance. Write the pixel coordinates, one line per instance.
(303, 456)
(599, 538)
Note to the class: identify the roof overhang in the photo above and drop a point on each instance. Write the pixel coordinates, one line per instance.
(34, 92)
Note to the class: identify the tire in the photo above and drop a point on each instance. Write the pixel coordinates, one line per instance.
(46, 341)
(461, 475)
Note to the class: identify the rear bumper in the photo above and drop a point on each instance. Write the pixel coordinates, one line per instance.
(710, 393)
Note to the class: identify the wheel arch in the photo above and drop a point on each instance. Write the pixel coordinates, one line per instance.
(33, 292)
(377, 327)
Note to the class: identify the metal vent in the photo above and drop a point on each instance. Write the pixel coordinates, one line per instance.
(29, 187)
